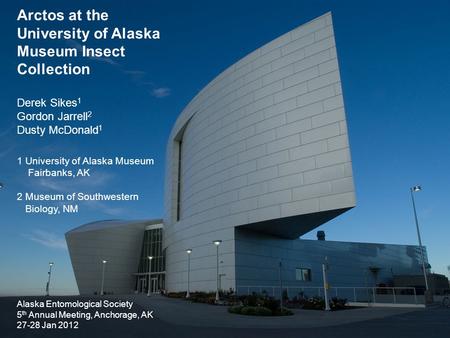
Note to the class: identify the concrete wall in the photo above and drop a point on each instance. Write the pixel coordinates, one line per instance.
(258, 257)
(117, 242)
(264, 145)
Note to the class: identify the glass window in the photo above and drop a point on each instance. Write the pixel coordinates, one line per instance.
(303, 274)
(179, 181)
(152, 246)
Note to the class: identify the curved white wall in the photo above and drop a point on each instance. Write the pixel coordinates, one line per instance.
(117, 242)
(265, 140)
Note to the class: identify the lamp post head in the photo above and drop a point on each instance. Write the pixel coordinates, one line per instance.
(104, 261)
(217, 242)
(189, 251)
(51, 263)
(1, 185)
(416, 188)
(150, 257)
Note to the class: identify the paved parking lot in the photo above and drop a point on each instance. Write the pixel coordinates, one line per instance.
(201, 315)
(177, 318)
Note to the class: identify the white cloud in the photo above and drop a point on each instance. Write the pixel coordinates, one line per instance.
(79, 48)
(104, 59)
(97, 180)
(160, 92)
(6, 131)
(135, 73)
(6, 145)
(98, 205)
(48, 239)
(5, 152)
(139, 77)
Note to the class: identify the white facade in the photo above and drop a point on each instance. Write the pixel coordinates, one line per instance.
(117, 242)
(263, 146)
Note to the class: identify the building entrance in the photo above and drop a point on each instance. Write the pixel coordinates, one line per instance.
(155, 281)
(154, 285)
(150, 276)
(141, 285)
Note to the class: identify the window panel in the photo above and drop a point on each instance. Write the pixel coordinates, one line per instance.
(303, 274)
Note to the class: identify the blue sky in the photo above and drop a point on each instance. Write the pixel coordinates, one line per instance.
(395, 76)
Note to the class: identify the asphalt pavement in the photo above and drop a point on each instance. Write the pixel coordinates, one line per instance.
(178, 318)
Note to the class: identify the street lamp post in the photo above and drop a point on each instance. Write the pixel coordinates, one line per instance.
(412, 191)
(103, 277)
(149, 274)
(217, 243)
(47, 288)
(188, 251)
(325, 284)
(280, 266)
(220, 279)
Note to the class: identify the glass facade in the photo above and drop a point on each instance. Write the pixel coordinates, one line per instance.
(152, 246)
(180, 144)
(151, 272)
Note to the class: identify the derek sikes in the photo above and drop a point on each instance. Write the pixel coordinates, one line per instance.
(54, 102)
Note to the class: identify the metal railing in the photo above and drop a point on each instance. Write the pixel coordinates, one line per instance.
(394, 295)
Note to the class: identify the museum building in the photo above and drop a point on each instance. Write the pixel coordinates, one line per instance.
(258, 158)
